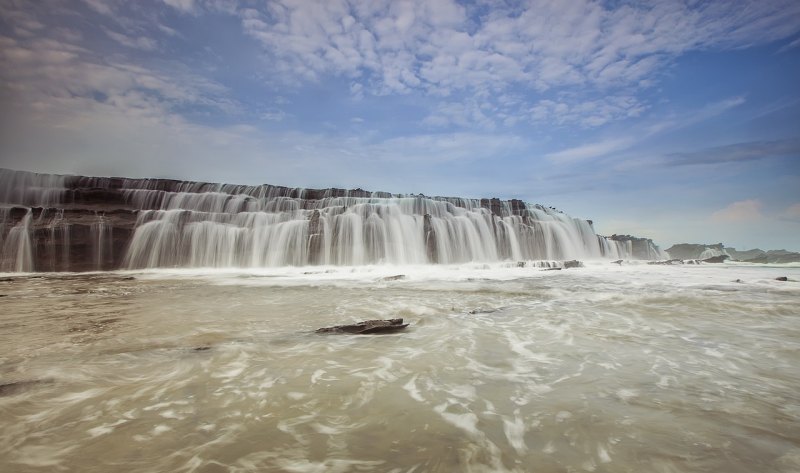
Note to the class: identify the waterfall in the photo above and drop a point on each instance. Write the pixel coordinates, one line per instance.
(101, 233)
(17, 253)
(195, 224)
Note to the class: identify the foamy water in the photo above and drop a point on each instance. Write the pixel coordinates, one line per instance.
(627, 368)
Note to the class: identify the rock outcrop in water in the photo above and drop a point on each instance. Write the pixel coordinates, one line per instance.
(687, 251)
(717, 259)
(77, 223)
(367, 327)
(698, 251)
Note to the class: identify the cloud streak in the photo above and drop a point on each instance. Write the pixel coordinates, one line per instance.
(738, 152)
(592, 150)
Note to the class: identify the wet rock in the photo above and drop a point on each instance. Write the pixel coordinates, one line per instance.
(782, 278)
(552, 269)
(482, 311)
(619, 262)
(430, 239)
(393, 278)
(716, 259)
(572, 264)
(367, 327)
(202, 348)
(738, 280)
(521, 264)
(667, 262)
(9, 389)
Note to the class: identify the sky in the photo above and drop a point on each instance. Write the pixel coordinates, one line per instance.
(674, 120)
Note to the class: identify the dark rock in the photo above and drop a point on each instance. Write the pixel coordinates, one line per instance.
(716, 259)
(202, 348)
(552, 269)
(430, 239)
(572, 264)
(782, 278)
(367, 327)
(619, 262)
(481, 311)
(521, 264)
(9, 389)
(393, 278)
(667, 262)
(316, 238)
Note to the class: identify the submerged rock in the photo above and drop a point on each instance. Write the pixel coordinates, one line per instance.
(9, 389)
(367, 327)
(716, 259)
(667, 262)
(782, 278)
(393, 278)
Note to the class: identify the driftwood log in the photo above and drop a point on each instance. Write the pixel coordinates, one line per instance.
(367, 327)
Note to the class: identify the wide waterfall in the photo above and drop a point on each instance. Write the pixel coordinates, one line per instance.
(69, 223)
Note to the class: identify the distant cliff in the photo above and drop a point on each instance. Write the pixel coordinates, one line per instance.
(703, 251)
(78, 223)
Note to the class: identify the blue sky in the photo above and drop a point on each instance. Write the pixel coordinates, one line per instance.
(676, 120)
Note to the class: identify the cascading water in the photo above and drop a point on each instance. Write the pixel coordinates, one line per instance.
(17, 252)
(101, 233)
(191, 224)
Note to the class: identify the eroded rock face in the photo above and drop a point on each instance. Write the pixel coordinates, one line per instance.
(367, 327)
(641, 248)
(77, 223)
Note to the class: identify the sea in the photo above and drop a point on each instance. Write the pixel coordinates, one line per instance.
(504, 367)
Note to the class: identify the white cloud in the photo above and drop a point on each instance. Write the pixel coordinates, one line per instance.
(465, 114)
(592, 150)
(104, 7)
(742, 211)
(589, 113)
(140, 42)
(441, 48)
(548, 43)
(185, 6)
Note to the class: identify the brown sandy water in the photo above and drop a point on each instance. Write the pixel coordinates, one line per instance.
(604, 369)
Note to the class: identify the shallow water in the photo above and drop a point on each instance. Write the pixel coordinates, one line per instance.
(604, 368)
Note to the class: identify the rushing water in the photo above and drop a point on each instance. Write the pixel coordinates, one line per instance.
(609, 369)
(195, 224)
